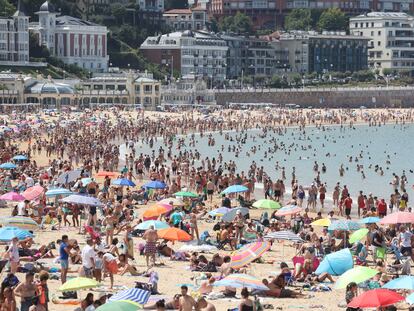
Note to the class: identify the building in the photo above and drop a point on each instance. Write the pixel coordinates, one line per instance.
(186, 19)
(189, 52)
(187, 91)
(14, 39)
(127, 89)
(253, 56)
(72, 40)
(330, 51)
(391, 36)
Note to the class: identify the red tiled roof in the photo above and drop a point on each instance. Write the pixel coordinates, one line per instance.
(178, 11)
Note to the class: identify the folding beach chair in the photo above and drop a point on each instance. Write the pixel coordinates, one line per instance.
(152, 284)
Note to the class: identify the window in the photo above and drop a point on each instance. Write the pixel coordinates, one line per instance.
(379, 32)
(379, 43)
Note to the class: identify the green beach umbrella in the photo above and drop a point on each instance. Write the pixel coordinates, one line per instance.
(270, 204)
(78, 283)
(187, 194)
(358, 235)
(121, 305)
(358, 274)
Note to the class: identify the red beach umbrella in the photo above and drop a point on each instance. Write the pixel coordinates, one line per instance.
(375, 298)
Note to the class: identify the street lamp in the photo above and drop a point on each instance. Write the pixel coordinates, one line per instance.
(253, 74)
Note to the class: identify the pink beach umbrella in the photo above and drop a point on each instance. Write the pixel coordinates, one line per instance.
(12, 196)
(33, 192)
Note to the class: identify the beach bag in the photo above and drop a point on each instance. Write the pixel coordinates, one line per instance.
(380, 252)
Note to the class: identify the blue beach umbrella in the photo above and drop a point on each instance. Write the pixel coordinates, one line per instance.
(155, 184)
(336, 263)
(403, 282)
(369, 220)
(234, 189)
(344, 225)
(410, 299)
(123, 182)
(81, 199)
(8, 233)
(20, 157)
(155, 223)
(8, 166)
(68, 177)
(58, 191)
(133, 294)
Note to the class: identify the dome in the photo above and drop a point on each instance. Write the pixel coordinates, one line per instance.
(47, 7)
(187, 33)
(51, 88)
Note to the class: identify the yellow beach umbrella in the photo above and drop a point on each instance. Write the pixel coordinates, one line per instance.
(323, 222)
(78, 283)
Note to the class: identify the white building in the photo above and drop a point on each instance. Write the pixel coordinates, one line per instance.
(186, 19)
(72, 40)
(392, 38)
(151, 5)
(189, 52)
(14, 39)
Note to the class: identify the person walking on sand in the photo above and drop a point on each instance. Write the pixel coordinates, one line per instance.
(151, 237)
(13, 253)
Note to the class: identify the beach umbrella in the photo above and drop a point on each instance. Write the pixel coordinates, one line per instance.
(358, 274)
(336, 263)
(370, 220)
(69, 176)
(86, 181)
(155, 223)
(284, 235)
(12, 196)
(20, 222)
(264, 203)
(137, 295)
(193, 246)
(81, 199)
(172, 201)
(248, 253)
(106, 173)
(155, 211)
(20, 157)
(403, 282)
(219, 211)
(123, 182)
(77, 284)
(358, 235)
(173, 234)
(58, 191)
(155, 184)
(33, 192)
(186, 194)
(234, 189)
(410, 299)
(239, 280)
(230, 215)
(344, 225)
(376, 298)
(8, 233)
(121, 305)
(398, 218)
(8, 166)
(323, 222)
(288, 210)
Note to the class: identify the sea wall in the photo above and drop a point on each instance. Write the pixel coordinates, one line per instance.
(322, 97)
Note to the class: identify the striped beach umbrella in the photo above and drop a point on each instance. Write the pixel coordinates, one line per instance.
(248, 253)
(58, 191)
(20, 222)
(8, 233)
(219, 211)
(288, 210)
(133, 294)
(344, 225)
(33, 192)
(284, 235)
(239, 280)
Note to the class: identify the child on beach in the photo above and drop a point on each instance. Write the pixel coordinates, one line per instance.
(99, 266)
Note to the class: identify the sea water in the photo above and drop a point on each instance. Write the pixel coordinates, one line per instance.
(331, 145)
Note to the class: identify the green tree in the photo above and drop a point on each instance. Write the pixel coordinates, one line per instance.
(298, 19)
(239, 23)
(119, 12)
(296, 78)
(35, 50)
(6, 8)
(332, 20)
